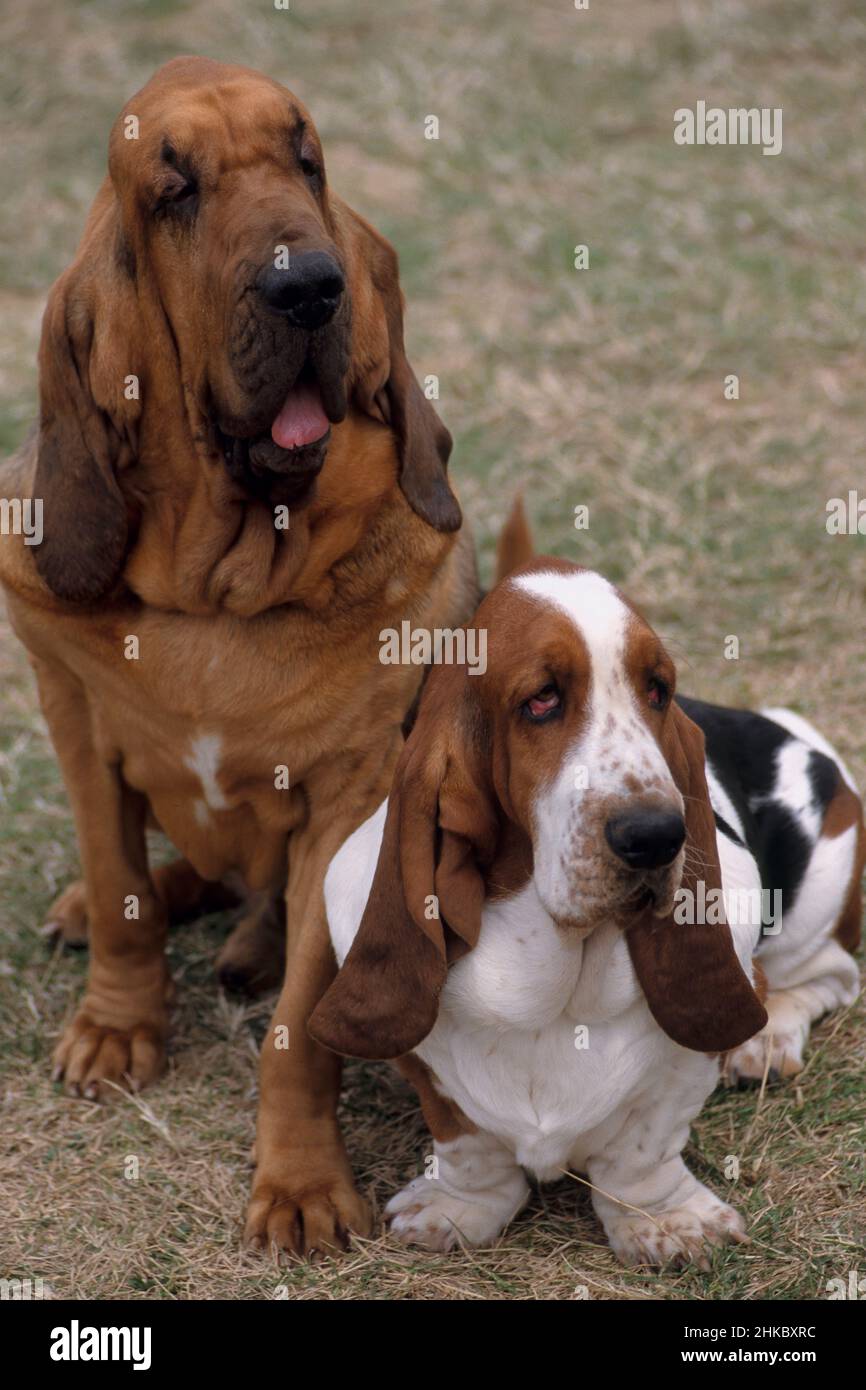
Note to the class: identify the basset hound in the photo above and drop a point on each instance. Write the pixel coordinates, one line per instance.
(241, 484)
(566, 914)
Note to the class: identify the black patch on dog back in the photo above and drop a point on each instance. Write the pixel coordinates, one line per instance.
(728, 830)
(824, 779)
(742, 755)
(782, 850)
(741, 745)
(742, 749)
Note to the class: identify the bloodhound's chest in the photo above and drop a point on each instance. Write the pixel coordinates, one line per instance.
(221, 721)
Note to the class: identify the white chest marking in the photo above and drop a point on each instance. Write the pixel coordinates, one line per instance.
(204, 761)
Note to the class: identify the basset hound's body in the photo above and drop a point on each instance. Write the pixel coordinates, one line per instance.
(583, 1029)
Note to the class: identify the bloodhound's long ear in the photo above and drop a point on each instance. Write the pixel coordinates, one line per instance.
(383, 383)
(691, 977)
(424, 908)
(85, 356)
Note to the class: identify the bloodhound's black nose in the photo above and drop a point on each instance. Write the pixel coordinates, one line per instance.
(307, 291)
(646, 839)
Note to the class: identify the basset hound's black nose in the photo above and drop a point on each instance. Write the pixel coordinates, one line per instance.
(646, 839)
(307, 291)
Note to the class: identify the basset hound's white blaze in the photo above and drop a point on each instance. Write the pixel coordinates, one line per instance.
(544, 1038)
(614, 758)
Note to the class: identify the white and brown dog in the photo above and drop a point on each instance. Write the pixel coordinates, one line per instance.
(545, 920)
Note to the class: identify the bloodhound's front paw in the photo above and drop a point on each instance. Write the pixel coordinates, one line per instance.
(678, 1237)
(426, 1213)
(67, 916)
(306, 1218)
(91, 1056)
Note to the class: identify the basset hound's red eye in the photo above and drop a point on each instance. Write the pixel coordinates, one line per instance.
(543, 704)
(658, 693)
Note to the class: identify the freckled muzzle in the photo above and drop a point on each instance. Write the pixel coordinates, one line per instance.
(617, 858)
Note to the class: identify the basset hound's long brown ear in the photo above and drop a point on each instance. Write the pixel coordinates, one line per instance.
(382, 382)
(85, 360)
(694, 984)
(424, 908)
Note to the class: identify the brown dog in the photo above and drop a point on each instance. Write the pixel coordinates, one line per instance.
(242, 484)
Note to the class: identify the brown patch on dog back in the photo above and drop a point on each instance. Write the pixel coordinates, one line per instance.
(845, 810)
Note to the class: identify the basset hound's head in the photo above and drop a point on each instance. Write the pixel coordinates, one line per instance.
(567, 761)
(224, 311)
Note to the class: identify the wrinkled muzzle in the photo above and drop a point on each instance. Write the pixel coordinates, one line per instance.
(288, 357)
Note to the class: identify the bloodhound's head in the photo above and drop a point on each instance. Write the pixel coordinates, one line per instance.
(219, 283)
(568, 762)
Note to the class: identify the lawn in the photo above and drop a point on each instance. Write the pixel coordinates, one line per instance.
(602, 386)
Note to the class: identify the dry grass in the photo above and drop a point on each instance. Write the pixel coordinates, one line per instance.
(602, 386)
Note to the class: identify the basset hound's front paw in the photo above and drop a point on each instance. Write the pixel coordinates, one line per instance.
(682, 1236)
(426, 1213)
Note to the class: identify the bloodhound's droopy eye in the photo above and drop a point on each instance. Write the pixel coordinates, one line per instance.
(177, 186)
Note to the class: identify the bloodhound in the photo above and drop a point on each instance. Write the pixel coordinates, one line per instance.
(242, 483)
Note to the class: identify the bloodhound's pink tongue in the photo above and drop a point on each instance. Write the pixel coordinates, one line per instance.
(302, 419)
